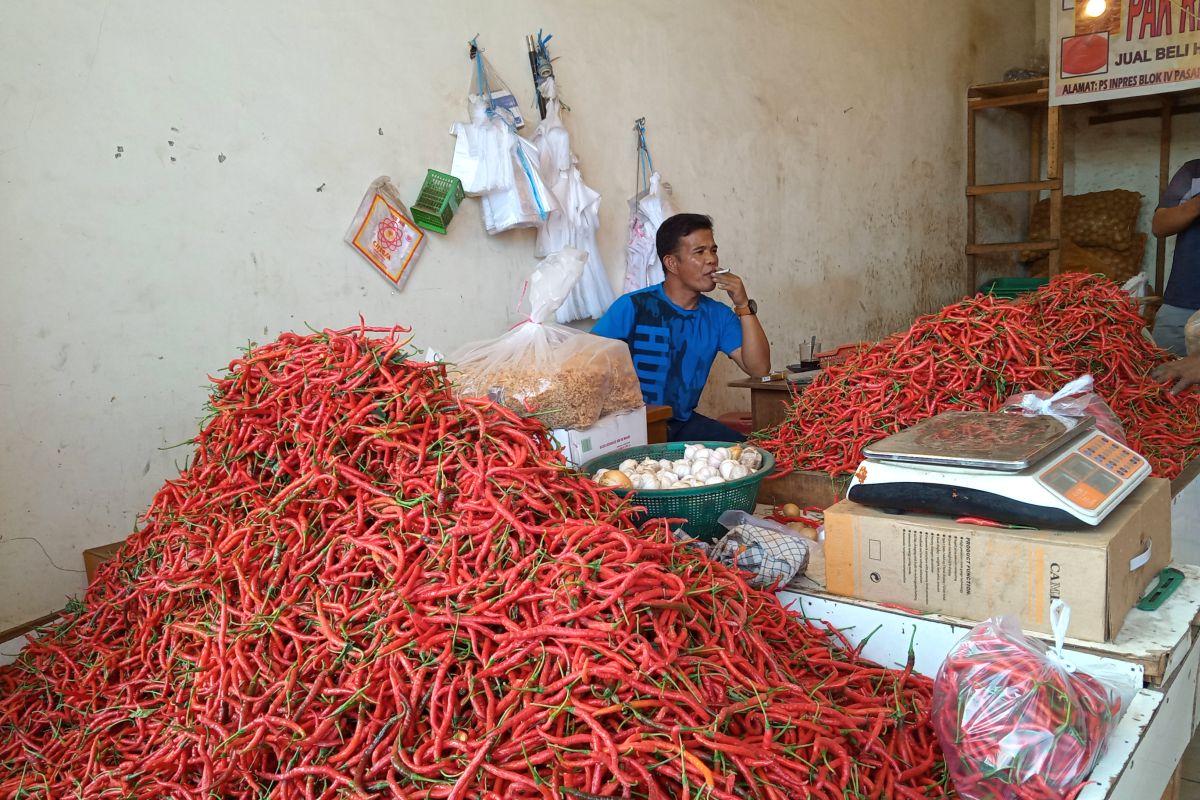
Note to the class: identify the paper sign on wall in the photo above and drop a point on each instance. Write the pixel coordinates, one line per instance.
(384, 233)
(1104, 49)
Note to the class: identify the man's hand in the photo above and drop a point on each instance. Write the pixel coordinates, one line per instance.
(1185, 372)
(733, 285)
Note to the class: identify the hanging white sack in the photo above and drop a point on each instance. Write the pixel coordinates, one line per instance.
(574, 221)
(647, 210)
(526, 203)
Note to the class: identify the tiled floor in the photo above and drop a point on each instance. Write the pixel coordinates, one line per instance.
(1190, 787)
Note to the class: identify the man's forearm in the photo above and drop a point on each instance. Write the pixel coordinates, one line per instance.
(1173, 220)
(756, 350)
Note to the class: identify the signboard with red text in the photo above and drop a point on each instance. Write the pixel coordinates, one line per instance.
(1104, 49)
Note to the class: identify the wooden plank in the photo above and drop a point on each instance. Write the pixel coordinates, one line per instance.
(656, 424)
(1036, 122)
(1164, 177)
(805, 488)
(972, 265)
(1008, 247)
(1185, 477)
(1054, 173)
(1008, 88)
(1016, 102)
(1145, 113)
(25, 627)
(1172, 790)
(1025, 186)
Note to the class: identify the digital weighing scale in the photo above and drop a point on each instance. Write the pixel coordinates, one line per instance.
(1043, 471)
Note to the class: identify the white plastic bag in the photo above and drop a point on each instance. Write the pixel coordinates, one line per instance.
(566, 377)
(1191, 334)
(1076, 399)
(492, 160)
(647, 210)
(576, 214)
(525, 202)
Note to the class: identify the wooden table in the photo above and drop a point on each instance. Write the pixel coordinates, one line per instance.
(768, 399)
(656, 424)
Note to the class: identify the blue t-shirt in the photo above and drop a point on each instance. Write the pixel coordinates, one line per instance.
(673, 348)
(1183, 287)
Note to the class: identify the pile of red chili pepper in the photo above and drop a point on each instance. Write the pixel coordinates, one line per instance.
(1016, 724)
(974, 355)
(362, 586)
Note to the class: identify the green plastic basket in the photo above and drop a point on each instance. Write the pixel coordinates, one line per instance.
(700, 506)
(439, 199)
(1010, 288)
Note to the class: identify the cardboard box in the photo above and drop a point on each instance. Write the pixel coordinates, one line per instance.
(935, 564)
(614, 432)
(93, 557)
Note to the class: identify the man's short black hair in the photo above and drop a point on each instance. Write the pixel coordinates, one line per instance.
(675, 228)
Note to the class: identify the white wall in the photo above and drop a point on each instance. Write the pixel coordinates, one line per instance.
(826, 140)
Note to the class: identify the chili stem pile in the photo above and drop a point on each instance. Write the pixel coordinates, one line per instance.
(362, 586)
(974, 355)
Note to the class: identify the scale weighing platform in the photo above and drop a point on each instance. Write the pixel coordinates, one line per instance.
(1042, 471)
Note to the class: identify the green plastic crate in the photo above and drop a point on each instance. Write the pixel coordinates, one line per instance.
(439, 199)
(700, 506)
(1010, 288)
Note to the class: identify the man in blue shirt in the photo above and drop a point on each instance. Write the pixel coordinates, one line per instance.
(1176, 215)
(674, 332)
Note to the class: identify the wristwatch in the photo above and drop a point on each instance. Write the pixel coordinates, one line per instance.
(748, 310)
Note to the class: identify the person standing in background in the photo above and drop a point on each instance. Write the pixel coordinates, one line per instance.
(1176, 215)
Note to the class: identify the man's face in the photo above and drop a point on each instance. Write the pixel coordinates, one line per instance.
(694, 261)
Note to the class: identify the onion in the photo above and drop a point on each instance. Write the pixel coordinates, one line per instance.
(614, 477)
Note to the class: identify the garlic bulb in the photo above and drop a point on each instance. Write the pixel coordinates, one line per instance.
(750, 458)
(700, 466)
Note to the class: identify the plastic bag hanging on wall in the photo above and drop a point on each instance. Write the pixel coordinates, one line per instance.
(573, 223)
(384, 233)
(492, 160)
(647, 209)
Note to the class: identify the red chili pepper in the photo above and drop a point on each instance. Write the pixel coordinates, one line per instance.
(1077, 324)
(362, 584)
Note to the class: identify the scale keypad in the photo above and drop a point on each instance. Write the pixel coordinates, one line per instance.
(1092, 472)
(1104, 452)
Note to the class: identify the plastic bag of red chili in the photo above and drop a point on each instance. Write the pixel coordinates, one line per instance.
(1016, 719)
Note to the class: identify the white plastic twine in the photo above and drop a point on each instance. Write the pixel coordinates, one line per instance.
(1049, 406)
(1060, 619)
